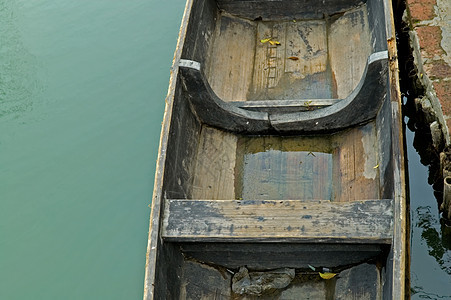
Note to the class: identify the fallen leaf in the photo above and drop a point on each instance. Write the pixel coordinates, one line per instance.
(376, 166)
(293, 58)
(327, 275)
(274, 42)
(265, 40)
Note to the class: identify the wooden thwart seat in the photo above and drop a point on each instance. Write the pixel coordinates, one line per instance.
(187, 220)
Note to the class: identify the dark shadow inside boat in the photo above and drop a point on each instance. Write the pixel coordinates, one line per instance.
(279, 155)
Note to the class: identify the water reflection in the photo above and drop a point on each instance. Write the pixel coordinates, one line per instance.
(438, 240)
(430, 236)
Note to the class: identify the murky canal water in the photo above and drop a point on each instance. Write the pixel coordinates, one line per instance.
(82, 87)
(430, 238)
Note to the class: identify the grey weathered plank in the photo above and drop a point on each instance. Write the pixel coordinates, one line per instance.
(252, 220)
(349, 48)
(359, 282)
(356, 167)
(230, 62)
(214, 176)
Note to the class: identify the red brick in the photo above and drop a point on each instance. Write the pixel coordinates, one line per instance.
(439, 70)
(421, 10)
(430, 38)
(443, 90)
(448, 124)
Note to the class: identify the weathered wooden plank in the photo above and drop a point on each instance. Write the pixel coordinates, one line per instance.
(214, 176)
(307, 40)
(252, 220)
(201, 25)
(349, 48)
(356, 170)
(200, 281)
(269, 59)
(359, 282)
(278, 76)
(229, 66)
(284, 168)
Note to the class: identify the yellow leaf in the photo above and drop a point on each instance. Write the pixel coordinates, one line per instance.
(376, 166)
(274, 42)
(327, 275)
(265, 40)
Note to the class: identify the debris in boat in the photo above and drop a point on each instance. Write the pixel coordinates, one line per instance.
(307, 104)
(271, 41)
(311, 153)
(293, 58)
(327, 275)
(258, 283)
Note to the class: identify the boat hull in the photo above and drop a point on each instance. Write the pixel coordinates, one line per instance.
(274, 165)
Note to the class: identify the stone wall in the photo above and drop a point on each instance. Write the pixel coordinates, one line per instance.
(430, 40)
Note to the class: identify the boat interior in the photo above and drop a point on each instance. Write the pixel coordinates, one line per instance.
(279, 154)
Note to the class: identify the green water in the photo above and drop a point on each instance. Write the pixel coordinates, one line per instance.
(82, 87)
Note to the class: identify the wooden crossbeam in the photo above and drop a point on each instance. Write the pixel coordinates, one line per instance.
(369, 221)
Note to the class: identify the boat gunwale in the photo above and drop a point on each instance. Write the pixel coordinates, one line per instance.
(154, 238)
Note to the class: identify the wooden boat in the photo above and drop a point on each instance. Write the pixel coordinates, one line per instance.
(281, 155)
